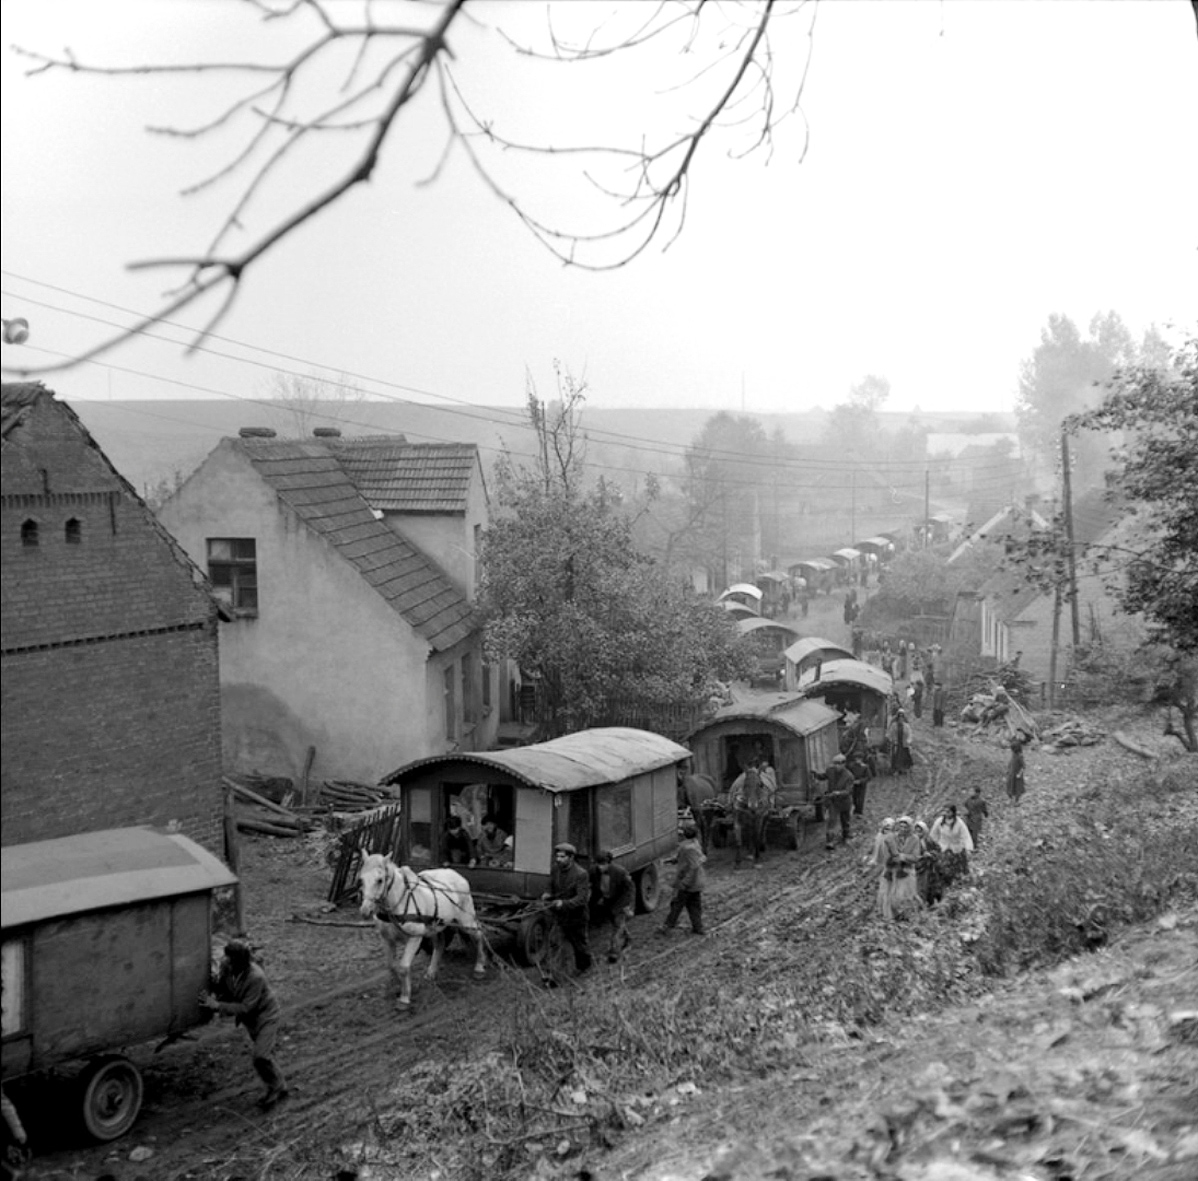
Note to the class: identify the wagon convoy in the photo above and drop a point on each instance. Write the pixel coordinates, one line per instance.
(107, 940)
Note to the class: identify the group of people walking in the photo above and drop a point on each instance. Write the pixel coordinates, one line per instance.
(914, 864)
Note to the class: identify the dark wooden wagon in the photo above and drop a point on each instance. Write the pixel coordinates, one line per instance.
(797, 737)
(610, 788)
(107, 943)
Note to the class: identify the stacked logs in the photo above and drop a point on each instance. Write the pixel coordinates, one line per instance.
(344, 795)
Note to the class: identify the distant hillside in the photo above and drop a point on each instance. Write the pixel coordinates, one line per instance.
(155, 441)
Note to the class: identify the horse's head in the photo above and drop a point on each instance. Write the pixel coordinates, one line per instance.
(375, 879)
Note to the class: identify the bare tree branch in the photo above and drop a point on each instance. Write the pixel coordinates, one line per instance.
(657, 174)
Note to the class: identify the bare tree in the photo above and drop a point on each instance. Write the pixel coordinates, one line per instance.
(306, 401)
(736, 80)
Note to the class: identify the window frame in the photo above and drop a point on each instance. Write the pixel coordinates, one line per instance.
(240, 592)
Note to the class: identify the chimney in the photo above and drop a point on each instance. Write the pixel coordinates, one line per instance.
(326, 432)
(256, 432)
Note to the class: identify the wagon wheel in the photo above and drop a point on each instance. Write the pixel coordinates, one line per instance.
(648, 889)
(539, 940)
(112, 1095)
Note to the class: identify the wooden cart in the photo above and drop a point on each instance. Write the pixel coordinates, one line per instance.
(107, 943)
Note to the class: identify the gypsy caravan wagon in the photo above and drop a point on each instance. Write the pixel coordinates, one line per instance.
(107, 942)
(768, 639)
(806, 654)
(819, 575)
(742, 594)
(610, 788)
(797, 736)
(851, 687)
(775, 591)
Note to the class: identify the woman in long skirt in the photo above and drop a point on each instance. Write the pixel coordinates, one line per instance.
(898, 893)
(951, 833)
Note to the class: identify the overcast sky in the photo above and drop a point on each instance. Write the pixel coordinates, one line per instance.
(971, 168)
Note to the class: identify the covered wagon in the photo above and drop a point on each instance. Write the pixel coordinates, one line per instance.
(797, 736)
(610, 788)
(769, 639)
(806, 654)
(743, 594)
(851, 687)
(107, 943)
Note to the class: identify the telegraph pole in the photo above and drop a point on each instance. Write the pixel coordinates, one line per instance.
(927, 507)
(1071, 555)
(853, 506)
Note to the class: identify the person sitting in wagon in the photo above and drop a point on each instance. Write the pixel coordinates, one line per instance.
(493, 846)
(459, 848)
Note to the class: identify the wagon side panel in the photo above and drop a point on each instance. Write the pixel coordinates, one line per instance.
(101, 981)
(191, 960)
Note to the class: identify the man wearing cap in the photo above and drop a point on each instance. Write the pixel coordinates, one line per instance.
(569, 898)
(690, 877)
(241, 990)
(837, 800)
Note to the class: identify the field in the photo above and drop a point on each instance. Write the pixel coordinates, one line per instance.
(804, 1037)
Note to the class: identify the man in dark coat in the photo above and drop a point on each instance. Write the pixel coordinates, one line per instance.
(616, 899)
(690, 877)
(569, 898)
(241, 990)
(837, 800)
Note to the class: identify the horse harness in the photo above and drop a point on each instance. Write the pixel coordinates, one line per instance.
(397, 918)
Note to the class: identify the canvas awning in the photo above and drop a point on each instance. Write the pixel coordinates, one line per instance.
(741, 588)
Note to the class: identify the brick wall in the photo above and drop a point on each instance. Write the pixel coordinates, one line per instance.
(111, 691)
(113, 733)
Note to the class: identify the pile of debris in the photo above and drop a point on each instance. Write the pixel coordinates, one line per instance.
(996, 707)
(255, 811)
(271, 804)
(1072, 732)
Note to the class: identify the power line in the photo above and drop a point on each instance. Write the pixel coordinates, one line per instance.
(598, 435)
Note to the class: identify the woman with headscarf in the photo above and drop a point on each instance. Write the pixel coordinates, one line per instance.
(951, 833)
(876, 857)
(898, 894)
(928, 883)
(1015, 782)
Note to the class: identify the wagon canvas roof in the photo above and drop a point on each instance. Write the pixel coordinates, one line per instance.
(756, 623)
(96, 870)
(809, 645)
(850, 671)
(817, 564)
(742, 588)
(798, 714)
(590, 757)
(848, 553)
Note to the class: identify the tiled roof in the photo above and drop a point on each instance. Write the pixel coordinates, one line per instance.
(310, 478)
(397, 476)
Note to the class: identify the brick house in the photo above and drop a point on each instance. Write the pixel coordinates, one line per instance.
(111, 706)
(348, 567)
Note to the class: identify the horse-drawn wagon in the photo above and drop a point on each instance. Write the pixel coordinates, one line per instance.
(768, 639)
(610, 788)
(107, 944)
(851, 687)
(796, 737)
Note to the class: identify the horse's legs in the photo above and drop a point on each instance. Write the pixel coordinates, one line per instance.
(480, 949)
(434, 962)
(388, 939)
(411, 947)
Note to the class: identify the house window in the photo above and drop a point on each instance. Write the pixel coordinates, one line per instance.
(469, 689)
(74, 531)
(29, 532)
(451, 705)
(233, 570)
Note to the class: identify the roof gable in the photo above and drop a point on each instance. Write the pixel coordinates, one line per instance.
(309, 477)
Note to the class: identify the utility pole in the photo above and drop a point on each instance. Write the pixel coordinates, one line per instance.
(1056, 638)
(1071, 555)
(853, 506)
(927, 507)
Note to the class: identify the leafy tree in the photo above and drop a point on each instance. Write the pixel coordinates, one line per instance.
(1064, 377)
(726, 468)
(855, 420)
(1156, 478)
(568, 597)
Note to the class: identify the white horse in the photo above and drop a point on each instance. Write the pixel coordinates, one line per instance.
(412, 906)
